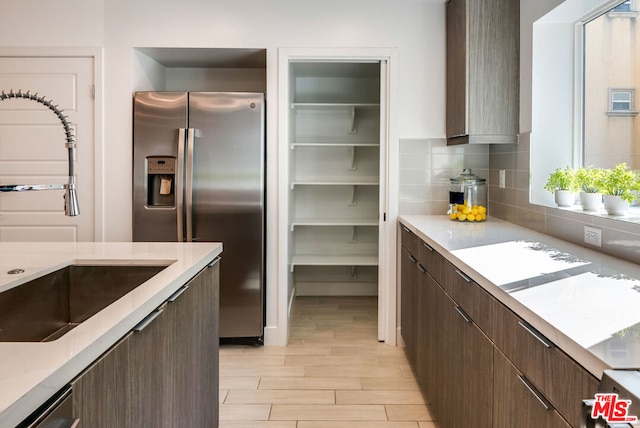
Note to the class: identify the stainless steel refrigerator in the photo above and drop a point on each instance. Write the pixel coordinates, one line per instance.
(199, 175)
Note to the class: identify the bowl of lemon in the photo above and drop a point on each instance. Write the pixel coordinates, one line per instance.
(462, 212)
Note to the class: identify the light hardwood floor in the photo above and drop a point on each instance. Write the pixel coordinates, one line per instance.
(333, 374)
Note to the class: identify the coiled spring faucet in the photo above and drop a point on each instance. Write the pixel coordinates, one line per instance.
(71, 207)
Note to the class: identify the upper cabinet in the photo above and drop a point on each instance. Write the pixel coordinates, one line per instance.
(482, 71)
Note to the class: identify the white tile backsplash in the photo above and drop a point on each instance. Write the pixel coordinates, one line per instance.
(426, 165)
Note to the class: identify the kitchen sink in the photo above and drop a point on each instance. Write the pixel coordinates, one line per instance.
(44, 309)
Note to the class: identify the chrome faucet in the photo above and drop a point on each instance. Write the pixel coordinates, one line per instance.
(71, 207)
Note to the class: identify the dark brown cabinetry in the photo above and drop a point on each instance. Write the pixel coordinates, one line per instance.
(101, 394)
(409, 303)
(482, 71)
(476, 360)
(554, 373)
(453, 357)
(165, 372)
(517, 402)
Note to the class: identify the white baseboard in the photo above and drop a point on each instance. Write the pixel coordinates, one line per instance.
(271, 337)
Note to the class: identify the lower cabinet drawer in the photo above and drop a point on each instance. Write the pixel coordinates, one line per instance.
(472, 298)
(410, 240)
(517, 403)
(558, 377)
(433, 261)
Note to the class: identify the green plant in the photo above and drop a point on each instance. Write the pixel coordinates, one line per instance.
(561, 179)
(620, 181)
(589, 179)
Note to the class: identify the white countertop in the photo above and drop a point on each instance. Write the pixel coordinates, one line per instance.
(30, 373)
(586, 302)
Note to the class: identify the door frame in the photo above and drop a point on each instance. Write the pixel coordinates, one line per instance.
(389, 170)
(96, 54)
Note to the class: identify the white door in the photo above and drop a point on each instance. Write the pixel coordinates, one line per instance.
(32, 148)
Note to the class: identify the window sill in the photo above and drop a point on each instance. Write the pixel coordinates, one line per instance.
(632, 216)
(621, 113)
(623, 14)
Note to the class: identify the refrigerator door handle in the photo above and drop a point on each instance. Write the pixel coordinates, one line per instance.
(189, 184)
(179, 185)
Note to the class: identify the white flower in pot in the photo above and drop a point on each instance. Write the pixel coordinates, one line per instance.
(619, 186)
(561, 183)
(588, 180)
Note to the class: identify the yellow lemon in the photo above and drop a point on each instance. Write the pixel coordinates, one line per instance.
(481, 209)
(474, 210)
(453, 216)
(471, 217)
(462, 217)
(466, 210)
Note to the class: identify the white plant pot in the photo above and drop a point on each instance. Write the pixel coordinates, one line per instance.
(591, 201)
(564, 198)
(614, 205)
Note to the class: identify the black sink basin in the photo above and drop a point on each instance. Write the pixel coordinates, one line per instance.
(46, 308)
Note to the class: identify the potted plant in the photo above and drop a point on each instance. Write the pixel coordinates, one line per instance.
(562, 184)
(588, 181)
(619, 187)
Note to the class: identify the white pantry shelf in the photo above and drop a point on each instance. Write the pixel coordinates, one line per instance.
(352, 107)
(334, 260)
(347, 145)
(330, 221)
(332, 106)
(360, 181)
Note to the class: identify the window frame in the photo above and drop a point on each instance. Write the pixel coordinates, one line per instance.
(629, 9)
(631, 111)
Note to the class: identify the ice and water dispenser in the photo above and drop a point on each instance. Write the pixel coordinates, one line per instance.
(161, 181)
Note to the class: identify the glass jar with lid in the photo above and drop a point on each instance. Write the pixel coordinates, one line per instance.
(468, 197)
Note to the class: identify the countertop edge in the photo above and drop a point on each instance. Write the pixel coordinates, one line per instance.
(52, 382)
(582, 356)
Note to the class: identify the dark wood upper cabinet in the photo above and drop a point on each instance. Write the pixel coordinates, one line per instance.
(482, 90)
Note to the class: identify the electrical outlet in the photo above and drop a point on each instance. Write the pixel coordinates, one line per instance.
(502, 179)
(593, 236)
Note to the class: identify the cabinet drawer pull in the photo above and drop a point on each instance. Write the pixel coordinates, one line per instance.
(539, 336)
(535, 392)
(51, 408)
(215, 261)
(406, 229)
(427, 246)
(465, 277)
(177, 294)
(463, 314)
(413, 259)
(148, 320)
(421, 268)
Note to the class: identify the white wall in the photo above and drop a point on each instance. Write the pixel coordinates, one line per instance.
(414, 27)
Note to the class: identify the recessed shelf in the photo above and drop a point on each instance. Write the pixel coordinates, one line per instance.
(352, 107)
(346, 145)
(331, 106)
(329, 221)
(360, 181)
(334, 260)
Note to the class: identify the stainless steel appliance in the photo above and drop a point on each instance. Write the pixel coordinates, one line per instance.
(198, 175)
